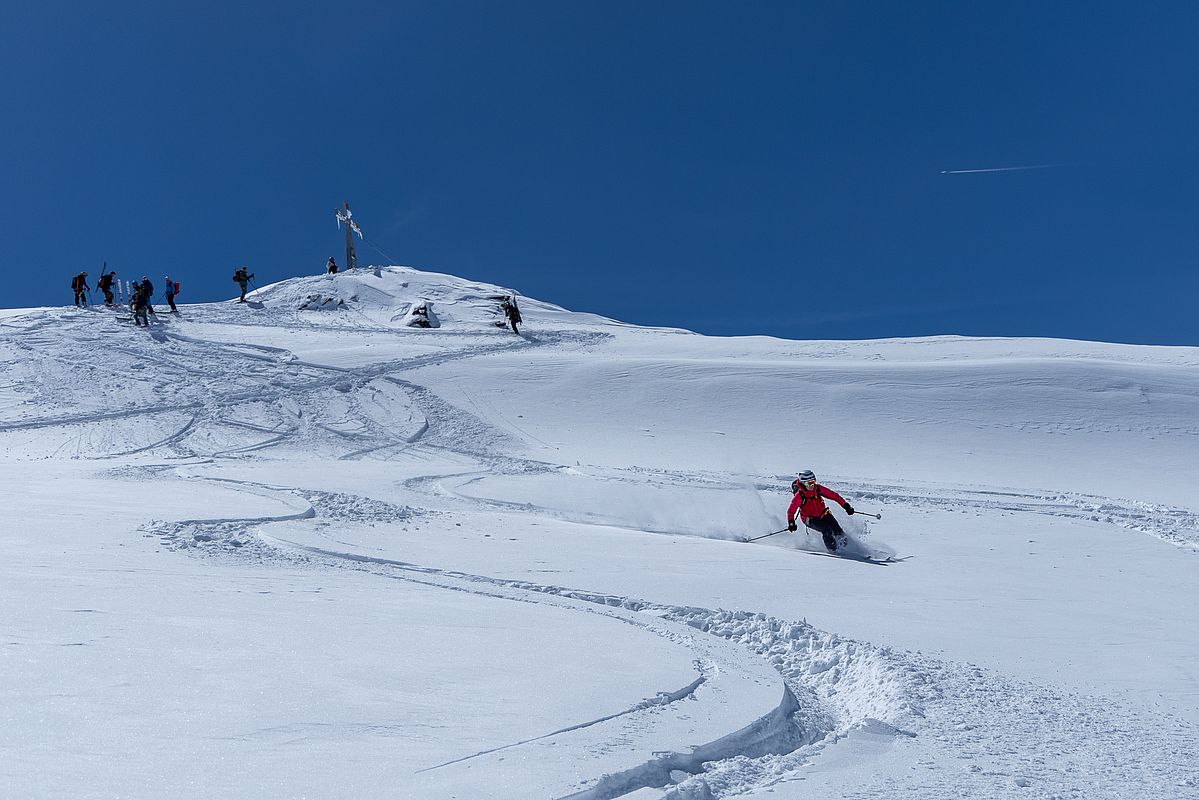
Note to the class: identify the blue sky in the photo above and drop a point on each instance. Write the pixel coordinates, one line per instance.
(665, 163)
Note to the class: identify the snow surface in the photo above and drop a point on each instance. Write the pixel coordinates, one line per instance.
(298, 548)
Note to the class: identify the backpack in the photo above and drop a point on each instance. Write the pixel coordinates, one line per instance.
(176, 287)
(237, 277)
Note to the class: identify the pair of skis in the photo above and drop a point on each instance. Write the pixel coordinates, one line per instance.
(784, 530)
(869, 559)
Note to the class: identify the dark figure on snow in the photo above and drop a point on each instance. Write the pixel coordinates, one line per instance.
(512, 313)
(170, 293)
(242, 277)
(105, 285)
(140, 304)
(148, 288)
(80, 287)
(331, 267)
(809, 502)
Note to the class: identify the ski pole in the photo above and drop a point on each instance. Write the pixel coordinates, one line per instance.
(763, 536)
(867, 514)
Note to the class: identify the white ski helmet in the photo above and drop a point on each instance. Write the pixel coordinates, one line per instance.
(807, 476)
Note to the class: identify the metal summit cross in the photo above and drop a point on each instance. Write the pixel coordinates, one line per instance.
(351, 228)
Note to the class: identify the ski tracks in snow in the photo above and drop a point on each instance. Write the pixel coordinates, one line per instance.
(1178, 526)
(1010, 737)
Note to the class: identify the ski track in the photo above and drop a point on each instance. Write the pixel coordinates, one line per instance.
(1008, 734)
(1013, 738)
(1177, 526)
(661, 699)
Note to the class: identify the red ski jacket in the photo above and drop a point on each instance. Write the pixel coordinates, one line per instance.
(811, 504)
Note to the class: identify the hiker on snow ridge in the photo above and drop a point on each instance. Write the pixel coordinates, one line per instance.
(808, 500)
(511, 312)
(331, 267)
(80, 287)
(170, 293)
(148, 288)
(105, 285)
(140, 304)
(242, 277)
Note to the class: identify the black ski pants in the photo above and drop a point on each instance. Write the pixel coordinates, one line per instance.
(829, 528)
(171, 301)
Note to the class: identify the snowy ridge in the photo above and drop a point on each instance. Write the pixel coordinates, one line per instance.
(388, 298)
(455, 562)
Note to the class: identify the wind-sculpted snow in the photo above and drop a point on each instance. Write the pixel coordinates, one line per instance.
(344, 556)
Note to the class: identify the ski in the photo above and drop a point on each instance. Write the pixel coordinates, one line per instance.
(864, 559)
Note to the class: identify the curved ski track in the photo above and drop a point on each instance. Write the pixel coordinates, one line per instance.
(829, 686)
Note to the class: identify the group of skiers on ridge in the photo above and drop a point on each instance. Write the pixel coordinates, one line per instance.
(140, 294)
(143, 291)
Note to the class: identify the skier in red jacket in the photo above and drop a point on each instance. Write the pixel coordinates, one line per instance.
(809, 502)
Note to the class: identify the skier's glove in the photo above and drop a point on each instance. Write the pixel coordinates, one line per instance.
(849, 509)
(791, 526)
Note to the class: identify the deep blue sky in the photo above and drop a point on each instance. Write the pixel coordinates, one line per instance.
(668, 163)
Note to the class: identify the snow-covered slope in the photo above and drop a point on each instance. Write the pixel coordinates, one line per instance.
(299, 547)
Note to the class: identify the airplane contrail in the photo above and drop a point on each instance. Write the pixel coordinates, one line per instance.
(1000, 169)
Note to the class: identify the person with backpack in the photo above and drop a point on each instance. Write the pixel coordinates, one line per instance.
(105, 285)
(172, 290)
(80, 288)
(808, 500)
(242, 277)
(331, 266)
(148, 290)
(512, 313)
(140, 304)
